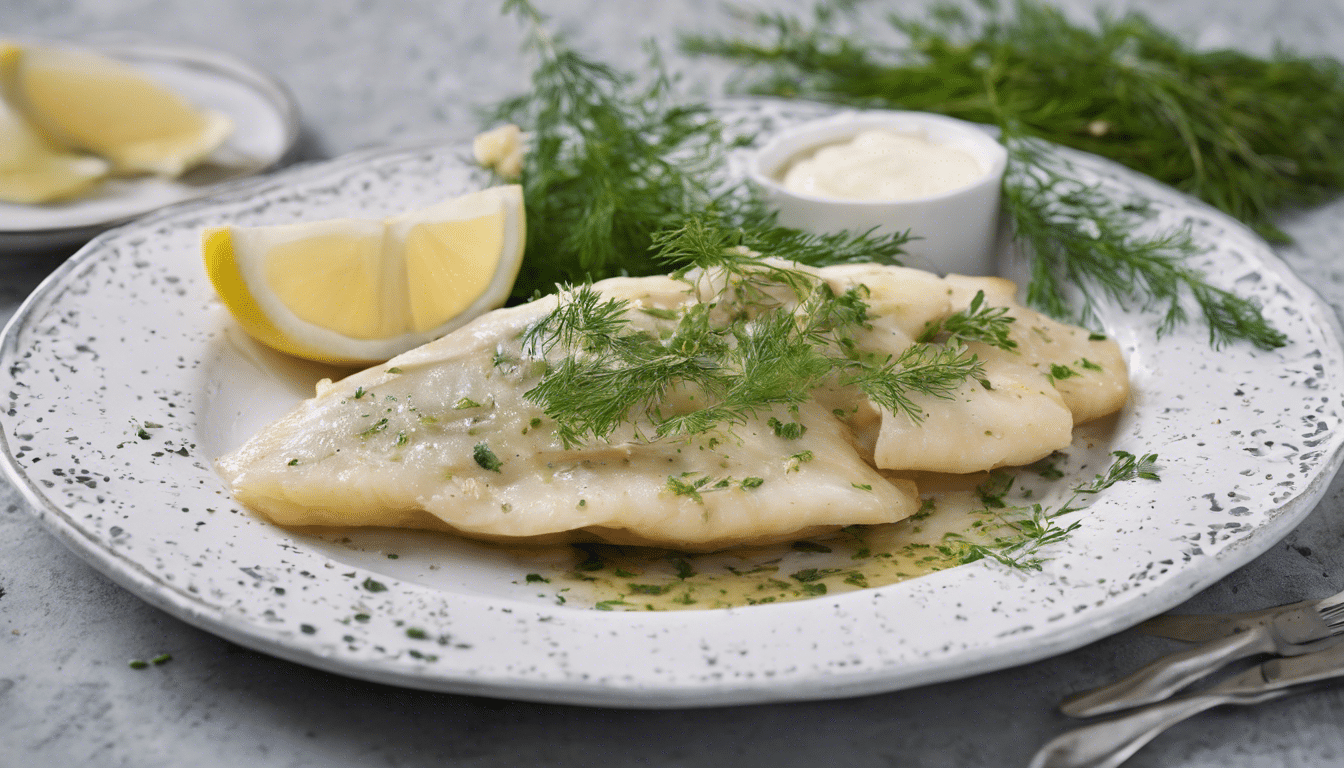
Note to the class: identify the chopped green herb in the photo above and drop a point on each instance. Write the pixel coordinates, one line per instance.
(1061, 372)
(862, 486)
(377, 427)
(486, 458)
(857, 579)
(373, 586)
(808, 574)
(684, 569)
(137, 664)
(465, 402)
(791, 431)
(650, 589)
(926, 508)
(394, 369)
(293, 462)
(359, 392)
(534, 578)
(415, 633)
(752, 482)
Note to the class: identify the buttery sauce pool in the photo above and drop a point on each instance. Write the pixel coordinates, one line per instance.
(959, 516)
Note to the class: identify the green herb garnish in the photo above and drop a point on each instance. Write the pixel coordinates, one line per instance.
(486, 458)
(612, 162)
(741, 352)
(1248, 135)
(1035, 527)
(977, 322)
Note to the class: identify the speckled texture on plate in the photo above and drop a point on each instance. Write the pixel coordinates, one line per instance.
(124, 379)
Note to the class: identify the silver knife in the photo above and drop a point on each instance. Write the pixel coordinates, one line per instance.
(1201, 628)
(1289, 630)
(1109, 743)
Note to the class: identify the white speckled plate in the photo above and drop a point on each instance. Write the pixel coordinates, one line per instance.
(266, 126)
(127, 334)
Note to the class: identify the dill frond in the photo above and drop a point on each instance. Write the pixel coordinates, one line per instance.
(612, 161)
(977, 322)
(923, 368)
(767, 337)
(1249, 135)
(1033, 528)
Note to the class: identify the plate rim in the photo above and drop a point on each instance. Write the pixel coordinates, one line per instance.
(174, 600)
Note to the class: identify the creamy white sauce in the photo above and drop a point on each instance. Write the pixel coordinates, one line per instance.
(881, 165)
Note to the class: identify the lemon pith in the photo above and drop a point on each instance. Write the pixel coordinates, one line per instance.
(353, 291)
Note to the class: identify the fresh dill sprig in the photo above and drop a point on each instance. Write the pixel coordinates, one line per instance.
(608, 163)
(1248, 135)
(922, 368)
(1036, 527)
(1079, 235)
(611, 162)
(767, 335)
(977, 322)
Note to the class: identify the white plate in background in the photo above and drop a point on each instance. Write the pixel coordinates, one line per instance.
(266, 127)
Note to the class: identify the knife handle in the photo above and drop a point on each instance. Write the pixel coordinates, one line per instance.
(1111, 742)
(1168, 674)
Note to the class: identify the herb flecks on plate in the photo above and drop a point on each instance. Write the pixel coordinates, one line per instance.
(1250, 136)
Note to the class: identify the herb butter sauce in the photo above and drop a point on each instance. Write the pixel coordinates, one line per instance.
(882, 165)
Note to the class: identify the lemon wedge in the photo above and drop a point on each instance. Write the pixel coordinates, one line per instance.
(85, 101)
(33, 171)
(353, 291)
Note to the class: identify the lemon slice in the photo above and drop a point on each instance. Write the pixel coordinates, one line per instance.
(33, 171)
(86, 101)
(353, 291)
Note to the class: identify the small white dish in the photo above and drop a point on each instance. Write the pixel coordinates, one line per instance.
(955, 231)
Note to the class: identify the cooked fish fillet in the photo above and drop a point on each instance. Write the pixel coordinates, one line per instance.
(442, 437)
(385, 448)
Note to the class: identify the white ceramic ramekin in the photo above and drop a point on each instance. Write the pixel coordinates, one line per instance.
(954, 231)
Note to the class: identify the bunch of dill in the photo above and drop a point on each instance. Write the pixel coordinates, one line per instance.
(1249, 135)
(612, 162)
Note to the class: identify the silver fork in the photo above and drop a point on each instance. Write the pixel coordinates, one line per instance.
(1290, 631)
(1108, 743)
